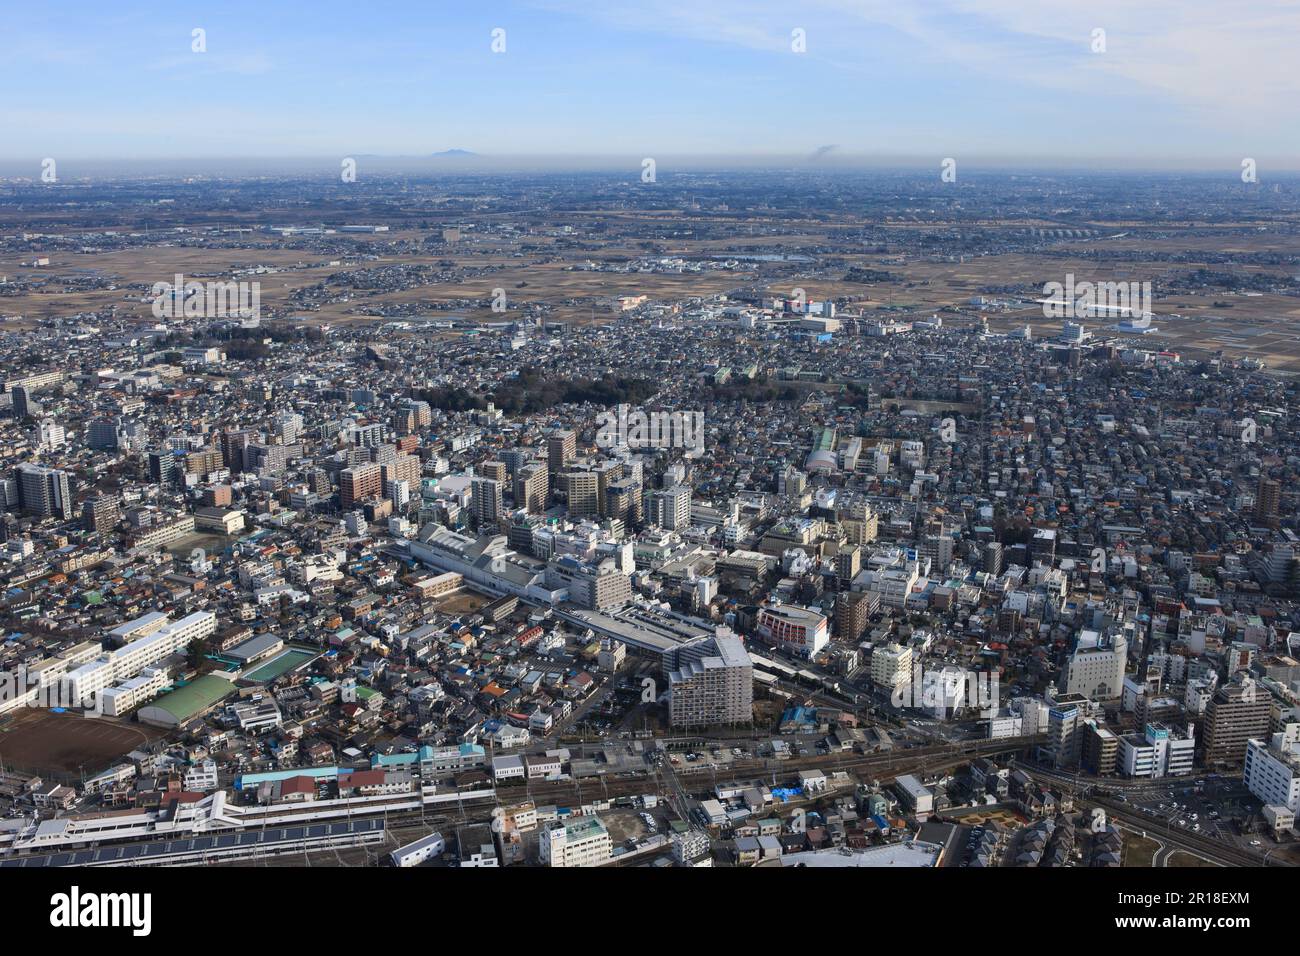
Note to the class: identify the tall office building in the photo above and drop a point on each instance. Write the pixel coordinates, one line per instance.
(24, 405)
(1237, 713)
(1272, 771)
(1098, 749)
(104, 434)
(360, 483)
(583, 841)
(44, 491)
(1064, 737)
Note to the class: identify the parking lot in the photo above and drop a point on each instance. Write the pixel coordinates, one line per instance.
(1220, 808)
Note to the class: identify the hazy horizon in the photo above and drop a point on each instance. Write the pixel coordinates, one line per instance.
(1173, 85)
(73, 169)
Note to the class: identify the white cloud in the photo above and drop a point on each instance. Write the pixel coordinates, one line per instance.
(1227, 62)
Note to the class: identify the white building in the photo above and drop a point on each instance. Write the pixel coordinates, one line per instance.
(1272, 771)
(915, 796)
(130, 694)
(1158, 752)
(797, 629)
(580, 842)
(425, 848)
(508, 767)
(690, 845)
(123, 663)
(201, 777)
(1096, 666)
(1005, 724)
(891, 666)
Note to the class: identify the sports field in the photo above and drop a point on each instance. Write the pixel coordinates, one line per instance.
(63, 746)
(281, 663)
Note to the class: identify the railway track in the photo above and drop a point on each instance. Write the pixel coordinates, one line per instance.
(881, 766)
(1208, 847)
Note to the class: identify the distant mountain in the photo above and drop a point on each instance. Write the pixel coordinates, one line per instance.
(454, 152)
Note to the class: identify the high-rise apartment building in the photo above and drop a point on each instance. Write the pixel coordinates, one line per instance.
(561, 448)
(848, 562)
(891, 666)
(581, 490)
(360, 483)
(853, 610)
(101, 513)
(992, 559)
(1268, 497)
(713, 684)
(670, 508)
(486, 502)
(623, 500)
(494, 469)
(44, 491)
(532, 487)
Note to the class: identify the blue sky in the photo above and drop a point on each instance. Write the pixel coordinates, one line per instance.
(1194, 82)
